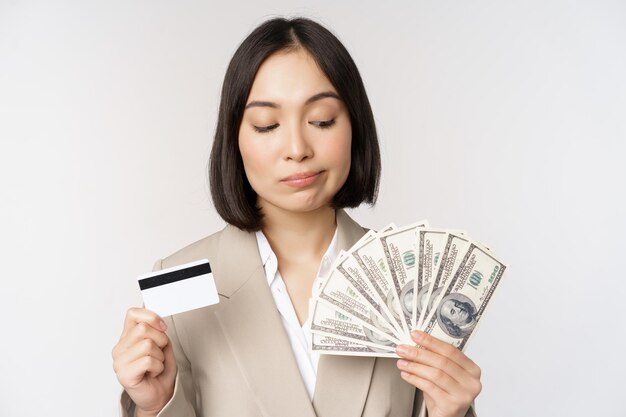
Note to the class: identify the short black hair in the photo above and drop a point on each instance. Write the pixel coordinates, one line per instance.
(232, 194)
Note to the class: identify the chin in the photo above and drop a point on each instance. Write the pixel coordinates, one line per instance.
(305, 208)
(299, 205)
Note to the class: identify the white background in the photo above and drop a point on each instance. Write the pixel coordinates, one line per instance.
(505, 118)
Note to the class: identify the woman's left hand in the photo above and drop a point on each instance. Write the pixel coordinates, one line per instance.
(449, 380)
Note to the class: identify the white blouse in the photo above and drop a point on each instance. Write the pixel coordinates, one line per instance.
(298, 337)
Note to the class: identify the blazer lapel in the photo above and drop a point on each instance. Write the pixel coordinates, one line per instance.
(253, 328)
(343, 381)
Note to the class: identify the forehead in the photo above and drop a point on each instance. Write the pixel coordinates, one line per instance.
(289, 78)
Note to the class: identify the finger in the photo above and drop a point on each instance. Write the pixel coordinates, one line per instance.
(434, 360)
(123, 363)
(169, 362)
(445, 349)
(138, 333)
(447, 404)
(426, 386)
(144, 347)
(438, 377)
(144, 331)
(135, 372)
(142, 315)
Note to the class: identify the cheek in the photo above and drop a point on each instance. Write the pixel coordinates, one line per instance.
(340, 151)
(252, 156)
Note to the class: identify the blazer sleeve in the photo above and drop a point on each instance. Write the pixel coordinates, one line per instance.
(419, 407)
(182, 402)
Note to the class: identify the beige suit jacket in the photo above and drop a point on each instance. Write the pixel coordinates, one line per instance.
(235, 360)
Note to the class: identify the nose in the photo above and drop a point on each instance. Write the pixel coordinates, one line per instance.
(297, 147)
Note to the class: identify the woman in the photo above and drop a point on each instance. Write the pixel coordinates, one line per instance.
(295, 143)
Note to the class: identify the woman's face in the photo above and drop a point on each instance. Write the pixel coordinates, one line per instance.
(295, 136)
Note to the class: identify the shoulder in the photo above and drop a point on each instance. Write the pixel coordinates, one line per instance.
(232, 253)
(206, 247)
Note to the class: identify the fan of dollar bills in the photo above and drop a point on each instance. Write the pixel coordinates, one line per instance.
(399, 279)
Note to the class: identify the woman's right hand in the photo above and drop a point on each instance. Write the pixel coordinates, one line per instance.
(144, 362)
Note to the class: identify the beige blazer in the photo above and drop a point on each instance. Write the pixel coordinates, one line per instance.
(235, 360)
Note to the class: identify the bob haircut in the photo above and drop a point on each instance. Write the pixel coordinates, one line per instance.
(232, 194)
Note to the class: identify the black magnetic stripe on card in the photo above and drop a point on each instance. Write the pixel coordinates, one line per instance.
(174, 276)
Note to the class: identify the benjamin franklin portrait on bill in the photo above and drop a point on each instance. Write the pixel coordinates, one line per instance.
(456, 315)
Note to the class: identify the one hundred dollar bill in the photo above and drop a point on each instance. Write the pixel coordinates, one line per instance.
(430, 245)
(399, 247)
(330, 321)
(372, 261)
(327, 344)
(350, 297)
(467, 295)
(455, 248)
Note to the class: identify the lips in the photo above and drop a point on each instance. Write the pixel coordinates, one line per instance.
(301, 179)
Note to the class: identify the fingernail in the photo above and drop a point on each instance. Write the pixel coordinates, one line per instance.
(402, 350)
(417, 335)
(163, 325)
(402, 363)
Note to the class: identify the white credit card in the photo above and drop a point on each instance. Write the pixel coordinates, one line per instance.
(179, 289)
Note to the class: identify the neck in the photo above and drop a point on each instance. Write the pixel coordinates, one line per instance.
(299, 235)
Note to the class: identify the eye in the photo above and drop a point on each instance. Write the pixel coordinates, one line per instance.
(265, 129)
(324, 124)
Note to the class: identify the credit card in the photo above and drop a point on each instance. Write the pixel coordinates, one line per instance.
(178, 289)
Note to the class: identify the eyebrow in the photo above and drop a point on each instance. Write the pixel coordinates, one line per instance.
(310, 100)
